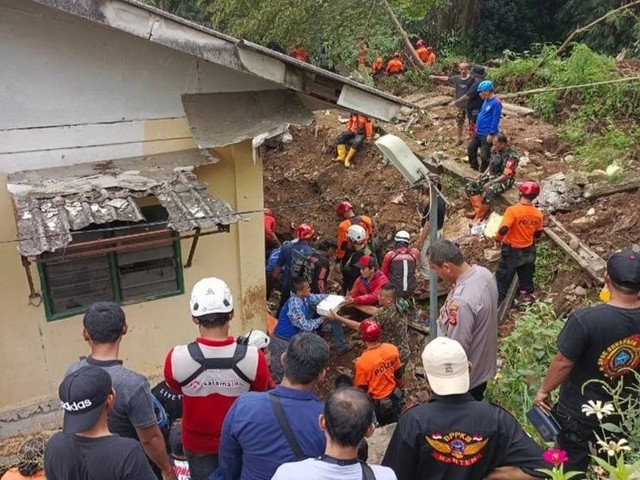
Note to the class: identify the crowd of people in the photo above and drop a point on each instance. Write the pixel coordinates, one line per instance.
(247, 408)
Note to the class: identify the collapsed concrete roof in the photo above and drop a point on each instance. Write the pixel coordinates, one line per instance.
(52, 203)
(317, 88)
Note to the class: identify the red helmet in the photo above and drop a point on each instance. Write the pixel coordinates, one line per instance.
(305, 231)
(343, 207)
(420, 43)
(268, 212)
(370, 330)
(397, 54)
(529, 188)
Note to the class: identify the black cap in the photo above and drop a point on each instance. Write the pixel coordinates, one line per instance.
(82, 395)
(624, 268)
(478, 70)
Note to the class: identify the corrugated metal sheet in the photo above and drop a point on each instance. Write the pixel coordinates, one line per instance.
(52, 203)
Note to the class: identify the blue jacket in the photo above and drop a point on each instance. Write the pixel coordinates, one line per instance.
(297, 315)
(488, 122)
(252, 446)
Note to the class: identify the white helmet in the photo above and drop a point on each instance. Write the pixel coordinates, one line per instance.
(257, 338)
(210, 295)
(403, 236)
(356, 233)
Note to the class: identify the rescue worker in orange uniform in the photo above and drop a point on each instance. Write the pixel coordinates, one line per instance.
(359, 128)
(379, 372)
(298, 54)
(521, 228)
(395, 65)
(425, 53)
(377, 65)
(347, 217)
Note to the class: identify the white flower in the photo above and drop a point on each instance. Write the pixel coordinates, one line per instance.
(598, 409)
(612, 448)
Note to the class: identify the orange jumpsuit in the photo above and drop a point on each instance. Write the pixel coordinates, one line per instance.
(426, 55)
(377, 65)
(395, 65)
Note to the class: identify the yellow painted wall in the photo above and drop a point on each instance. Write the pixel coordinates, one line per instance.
(34, 353)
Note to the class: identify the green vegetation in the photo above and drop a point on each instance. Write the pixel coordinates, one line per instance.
(525, 356)
(586, 115)
(550, 261)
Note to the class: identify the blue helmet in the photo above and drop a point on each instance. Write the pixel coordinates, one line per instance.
(485, 86)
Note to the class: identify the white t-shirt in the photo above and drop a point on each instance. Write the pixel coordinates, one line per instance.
(312, 469)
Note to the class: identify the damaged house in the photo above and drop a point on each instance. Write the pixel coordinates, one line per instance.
(128, 172)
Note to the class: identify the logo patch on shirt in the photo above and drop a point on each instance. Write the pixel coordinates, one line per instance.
(457, 448)
(453, 314)
(621, 357)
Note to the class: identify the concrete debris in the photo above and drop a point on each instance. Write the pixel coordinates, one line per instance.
(580, 291)
(591, 212)
(560, 191)
(378, 443)
(492, 255)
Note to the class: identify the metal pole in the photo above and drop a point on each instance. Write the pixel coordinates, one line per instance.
(433, 284)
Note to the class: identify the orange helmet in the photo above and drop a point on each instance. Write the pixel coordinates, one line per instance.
(305, 231)
(370, 330)
(529, 188)
(343, 207)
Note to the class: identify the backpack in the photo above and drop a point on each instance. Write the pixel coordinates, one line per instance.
(229, 363)
(302, 265)
(402, 271)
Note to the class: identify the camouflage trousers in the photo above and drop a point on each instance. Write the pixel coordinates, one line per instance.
(476, 187)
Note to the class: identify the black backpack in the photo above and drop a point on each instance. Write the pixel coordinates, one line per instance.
(302, 265)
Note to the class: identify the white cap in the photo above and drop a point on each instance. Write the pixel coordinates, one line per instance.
(447, 367)
(257, 338)
(210, 295)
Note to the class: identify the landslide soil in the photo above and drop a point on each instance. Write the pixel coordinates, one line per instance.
(303, 184)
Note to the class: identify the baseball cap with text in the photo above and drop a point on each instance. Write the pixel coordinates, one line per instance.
(447, 367)
(82, 395)
(624, 268)
(210, 295)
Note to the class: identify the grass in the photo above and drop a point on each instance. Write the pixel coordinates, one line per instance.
(550, 261)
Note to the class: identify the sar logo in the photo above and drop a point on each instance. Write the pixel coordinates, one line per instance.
(621, 357)
(457, 448)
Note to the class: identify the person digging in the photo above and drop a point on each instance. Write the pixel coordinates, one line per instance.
(499, 176)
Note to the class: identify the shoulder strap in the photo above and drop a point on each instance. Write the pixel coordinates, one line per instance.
(285, 427)
(367, 472)
(229, 363)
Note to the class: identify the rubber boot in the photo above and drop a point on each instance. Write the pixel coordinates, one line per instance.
(476, 203)
(481, 213)
(342, 152)
(350, 155)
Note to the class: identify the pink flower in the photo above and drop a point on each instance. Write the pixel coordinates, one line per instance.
(555, 456)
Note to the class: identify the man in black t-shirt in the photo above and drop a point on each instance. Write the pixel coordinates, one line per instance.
(321, 261)
(462, 83)
(600, 343)
(455, 437)
(472, 98)
(85, 449)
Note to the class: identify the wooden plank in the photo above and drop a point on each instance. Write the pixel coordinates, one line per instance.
(145, 255)
(505, 306)
(136, 278)
(597, 275)
(151, 289)
(418, 327)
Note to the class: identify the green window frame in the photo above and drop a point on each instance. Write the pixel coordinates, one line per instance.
(124, 269)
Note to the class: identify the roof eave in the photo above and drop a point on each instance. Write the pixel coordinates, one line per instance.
(158, 26)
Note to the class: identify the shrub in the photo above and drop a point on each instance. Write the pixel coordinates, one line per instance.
(525, 356)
